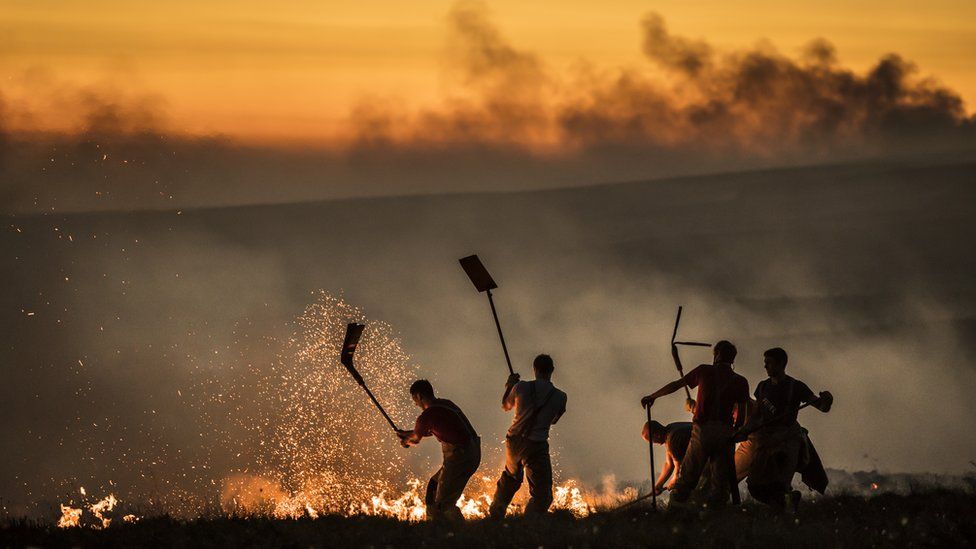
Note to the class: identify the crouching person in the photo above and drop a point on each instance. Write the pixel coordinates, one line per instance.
(675, 438)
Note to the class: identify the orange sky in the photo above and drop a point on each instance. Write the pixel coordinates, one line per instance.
(289, 71)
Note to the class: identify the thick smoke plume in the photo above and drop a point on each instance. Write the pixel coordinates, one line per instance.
(511, 122)
(755, 101)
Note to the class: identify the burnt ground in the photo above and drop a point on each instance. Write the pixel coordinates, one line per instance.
(932, 519)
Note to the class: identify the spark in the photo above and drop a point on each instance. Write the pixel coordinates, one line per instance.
(300, 436)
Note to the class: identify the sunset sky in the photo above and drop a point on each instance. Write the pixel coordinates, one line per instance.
(291, 71)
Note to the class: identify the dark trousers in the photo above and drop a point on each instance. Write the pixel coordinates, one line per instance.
(524, 458)
(446, 486)
(775, 453)
(710, 446)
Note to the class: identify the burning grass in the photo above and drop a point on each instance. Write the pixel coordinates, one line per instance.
(303, 442)
(938, 518)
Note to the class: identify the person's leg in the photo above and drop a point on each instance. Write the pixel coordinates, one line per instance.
(457, 470)
(722, 460)
(691, 467)
(509, 481)
(716, 445)
(782, 468)
(538, 471)
(430, 497)
(765, 475)
(743, 459)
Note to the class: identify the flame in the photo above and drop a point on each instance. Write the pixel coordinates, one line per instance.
(570, 498)
(409, 506)
(255, 496)
(70, 517)
(104, 506)
(308, 444)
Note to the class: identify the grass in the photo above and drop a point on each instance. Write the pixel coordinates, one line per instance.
(934, 519)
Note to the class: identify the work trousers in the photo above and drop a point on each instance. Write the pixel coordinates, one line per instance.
(446, 486)
(524, 458)
(770, 459)
(711, 445)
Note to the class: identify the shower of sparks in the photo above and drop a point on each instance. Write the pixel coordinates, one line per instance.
(297, 437)
(318, 444)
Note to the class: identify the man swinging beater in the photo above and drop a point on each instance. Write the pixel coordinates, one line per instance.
(460, 445)
(538, 405)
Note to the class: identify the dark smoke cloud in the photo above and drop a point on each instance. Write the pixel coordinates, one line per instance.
(510, 123)
(674, 52)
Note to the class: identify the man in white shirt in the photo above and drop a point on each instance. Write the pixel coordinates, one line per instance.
(538, 405)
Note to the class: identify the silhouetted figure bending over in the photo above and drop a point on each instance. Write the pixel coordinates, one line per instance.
(675, 438)
(460, 445)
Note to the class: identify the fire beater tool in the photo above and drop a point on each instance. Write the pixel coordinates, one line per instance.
(689, 402)
(653, 493)
(484, 283)
(650, 446)
(353, 332)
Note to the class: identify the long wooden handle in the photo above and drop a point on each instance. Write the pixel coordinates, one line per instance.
(501, 337)
(379, 406)
(650, 445)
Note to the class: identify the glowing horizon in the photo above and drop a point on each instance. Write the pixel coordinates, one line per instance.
(295, 73)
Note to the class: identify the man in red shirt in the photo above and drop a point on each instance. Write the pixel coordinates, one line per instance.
(460, 444)
(720, 393)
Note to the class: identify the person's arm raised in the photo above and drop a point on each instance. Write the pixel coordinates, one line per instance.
(508, 397)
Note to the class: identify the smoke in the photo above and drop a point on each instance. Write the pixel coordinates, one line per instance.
(754, 102)
(510, 121)
(674, 52)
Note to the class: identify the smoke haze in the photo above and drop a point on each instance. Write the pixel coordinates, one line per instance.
(110, 320)
(509, 122)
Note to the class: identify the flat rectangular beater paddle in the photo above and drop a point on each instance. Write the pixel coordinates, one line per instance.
(677, 363)
(484, 283)
(353, 332)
